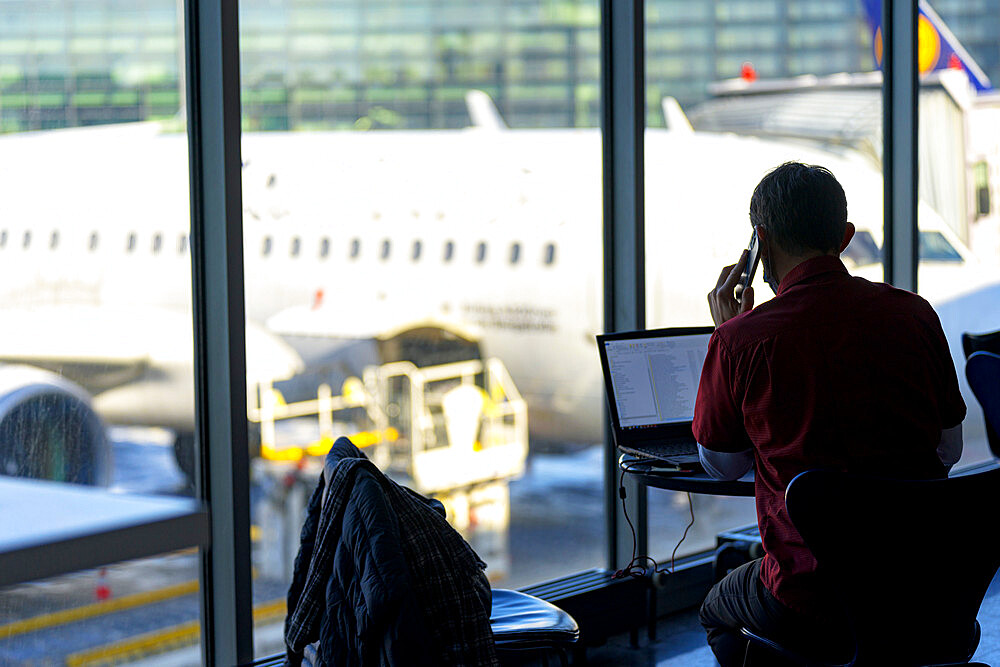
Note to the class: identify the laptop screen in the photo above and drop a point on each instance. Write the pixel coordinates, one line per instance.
(655, 378)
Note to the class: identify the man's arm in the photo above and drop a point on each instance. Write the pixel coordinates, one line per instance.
(949, 450)
(725, 466)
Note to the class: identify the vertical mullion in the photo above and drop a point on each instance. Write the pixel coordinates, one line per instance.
(899, 134)
(622, 124)
(213, 113)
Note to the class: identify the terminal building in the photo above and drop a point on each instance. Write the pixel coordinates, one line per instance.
(387, 64)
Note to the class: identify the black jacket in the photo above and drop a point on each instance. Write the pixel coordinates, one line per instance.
(381, 578)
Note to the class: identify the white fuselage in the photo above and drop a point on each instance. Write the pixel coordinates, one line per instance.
(360, 225)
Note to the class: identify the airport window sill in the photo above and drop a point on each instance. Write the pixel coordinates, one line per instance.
(51, 528)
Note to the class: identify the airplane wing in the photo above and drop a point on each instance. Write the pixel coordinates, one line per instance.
(101, 347)
(94, 349)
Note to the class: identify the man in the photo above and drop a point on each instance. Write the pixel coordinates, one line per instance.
(833, 372)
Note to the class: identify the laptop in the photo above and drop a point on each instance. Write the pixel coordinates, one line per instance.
(651, 381)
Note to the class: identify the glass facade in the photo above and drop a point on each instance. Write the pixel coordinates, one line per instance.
(309, 64)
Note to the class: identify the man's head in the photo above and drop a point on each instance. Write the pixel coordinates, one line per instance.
(799, 212)
(802, 207)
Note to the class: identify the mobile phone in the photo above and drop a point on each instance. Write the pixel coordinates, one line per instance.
(753, 258)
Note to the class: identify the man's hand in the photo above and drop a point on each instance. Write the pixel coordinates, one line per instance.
(722, 300)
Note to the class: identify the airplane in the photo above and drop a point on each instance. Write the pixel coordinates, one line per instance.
(349, 235)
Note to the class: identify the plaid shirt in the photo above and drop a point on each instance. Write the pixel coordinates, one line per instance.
(445, 574)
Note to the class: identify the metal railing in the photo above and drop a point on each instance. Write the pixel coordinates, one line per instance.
(451, 424)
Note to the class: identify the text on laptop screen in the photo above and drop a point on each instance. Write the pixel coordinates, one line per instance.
(656, 379)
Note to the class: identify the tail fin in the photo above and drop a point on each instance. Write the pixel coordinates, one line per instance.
(674, 117)
(937, 48)
(483, 111)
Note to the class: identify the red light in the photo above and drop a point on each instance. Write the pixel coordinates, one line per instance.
(317, 299)
(747, 72)
(954, 62)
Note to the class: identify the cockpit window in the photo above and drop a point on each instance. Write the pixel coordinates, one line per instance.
(862, 250)
(934, 247)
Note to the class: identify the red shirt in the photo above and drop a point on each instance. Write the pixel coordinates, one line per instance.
(834, 372)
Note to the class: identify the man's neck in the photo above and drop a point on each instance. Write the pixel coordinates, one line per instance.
(783, 263)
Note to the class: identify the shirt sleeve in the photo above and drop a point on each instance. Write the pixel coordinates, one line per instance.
(951, 405)
(950, 448)
(725, 465)
(718, 413)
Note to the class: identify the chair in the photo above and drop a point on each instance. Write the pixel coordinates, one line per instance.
(525, 626)
(984, 342)
(983, 372)
(911, 559)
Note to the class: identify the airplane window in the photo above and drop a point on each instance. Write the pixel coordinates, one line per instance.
(386, 247)
(550, 253)
(449, 250)
(481, 252)
(3, 239)
(296, 246)
(355, 248)
(130, 246)
(266, 247)
(157, 242)
(324, 247)
(515, 253)
(935, 247)
(417, 247)
(182, 244)
(54, 239)
(862, 250)
(92, 245)
(27, 240)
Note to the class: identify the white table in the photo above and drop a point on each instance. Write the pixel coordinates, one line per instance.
(50, 528)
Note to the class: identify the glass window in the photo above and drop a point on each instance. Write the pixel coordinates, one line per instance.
(182, 244)
(409, 66)
(296, 246)
(515, 253)
(959, 232)
(550, 254)
(157, 242)
(738, 100)
(265, 249)
(74, 425)
(3, 238)
(324, 246)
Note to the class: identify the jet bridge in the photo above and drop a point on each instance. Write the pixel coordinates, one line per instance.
(455, 429)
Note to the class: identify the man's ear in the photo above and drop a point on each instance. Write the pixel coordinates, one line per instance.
(762, 240)
(848, 235)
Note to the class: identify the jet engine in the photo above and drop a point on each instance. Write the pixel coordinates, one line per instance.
(48, 429)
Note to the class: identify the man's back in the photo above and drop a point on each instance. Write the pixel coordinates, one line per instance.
(834, 372)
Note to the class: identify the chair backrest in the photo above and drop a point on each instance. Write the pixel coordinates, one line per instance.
(911, 558)
(983, 372)
(984, 342)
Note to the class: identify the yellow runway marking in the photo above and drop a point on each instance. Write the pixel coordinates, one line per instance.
(96, 609)
(160, 641)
